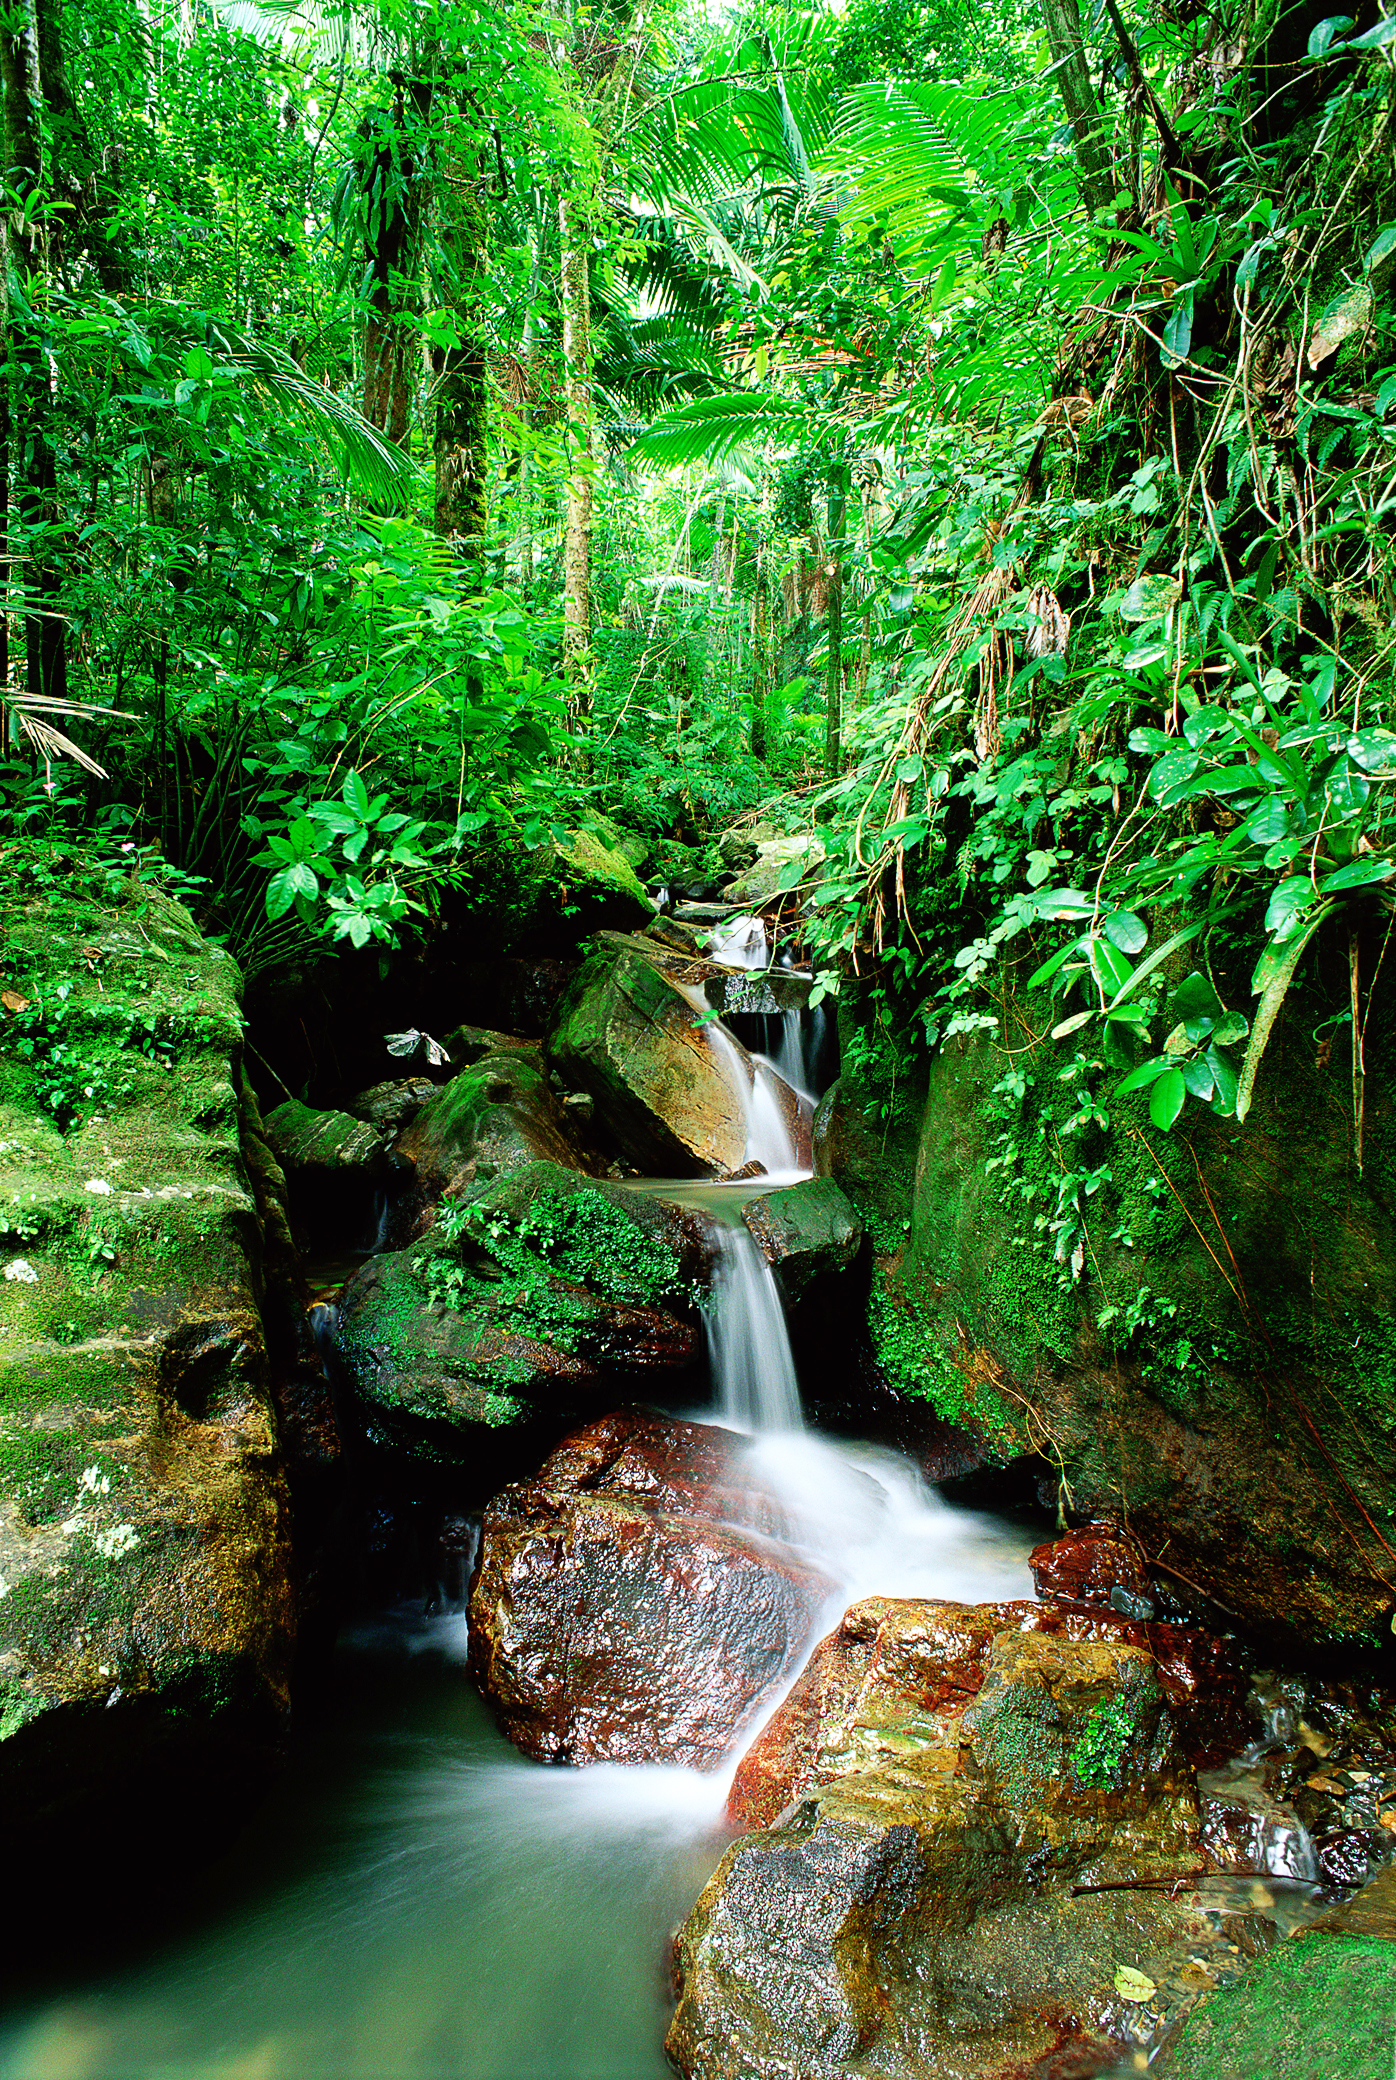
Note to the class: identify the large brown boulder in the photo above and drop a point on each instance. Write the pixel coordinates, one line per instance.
(957, 1897)
(664, 1089)
(619, 1615)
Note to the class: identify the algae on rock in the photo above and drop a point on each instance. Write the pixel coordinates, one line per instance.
(147, 1614)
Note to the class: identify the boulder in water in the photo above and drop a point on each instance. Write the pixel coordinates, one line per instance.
(628, 1035)
(942, 1898)
(806, 1232)
(618, 1612)
(389, 1106)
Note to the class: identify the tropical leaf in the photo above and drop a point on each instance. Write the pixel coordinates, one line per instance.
(711, 427)
(379, 468)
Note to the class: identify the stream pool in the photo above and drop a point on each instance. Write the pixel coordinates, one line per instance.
(414, 1900)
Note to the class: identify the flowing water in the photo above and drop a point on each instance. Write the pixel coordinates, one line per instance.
(416, 1900)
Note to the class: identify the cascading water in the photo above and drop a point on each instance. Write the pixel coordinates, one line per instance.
(753, 1370)
(769, 1140)
(419, 1900)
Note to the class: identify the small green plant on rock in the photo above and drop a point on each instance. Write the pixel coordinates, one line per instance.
(1098, 1756)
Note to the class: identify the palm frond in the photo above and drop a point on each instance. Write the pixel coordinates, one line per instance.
(379, 468)
(709, 428)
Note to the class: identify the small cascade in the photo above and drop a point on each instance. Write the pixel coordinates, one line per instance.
(790, 1059)
(769, 1139)
(753, 1370)
(740, 943)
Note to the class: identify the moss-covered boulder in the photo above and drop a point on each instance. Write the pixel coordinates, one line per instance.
(523, 898)
(1196, 1330)
(497, 1116)
(524, 1302)
(777, 860)
(1319, 2004)
(806, 1232)
(146, 1603)
(627, 1033)
(337, 1170)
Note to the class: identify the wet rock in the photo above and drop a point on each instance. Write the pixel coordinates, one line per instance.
(318, 1146)
(930, 1909)
(1095, 1566)
(148, 1616)
(1246, 1832)
(806, 1232)
(614, 1617)
(627, 1035)
(498, 1115)
(389, 1106)
(765, 877)
(469, 1044)
(890, 1665)
(520, 1304)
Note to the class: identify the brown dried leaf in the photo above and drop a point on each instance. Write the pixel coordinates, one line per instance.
(12, 1001)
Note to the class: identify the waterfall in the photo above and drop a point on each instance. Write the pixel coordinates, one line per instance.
(769, 1140)
(740, 943)
(753, 1370)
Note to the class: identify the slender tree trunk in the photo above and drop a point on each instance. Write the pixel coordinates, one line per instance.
(392, 213)
(833, 681)
(1073, 77)
(576, 357)
(461, 443)
(36, 481)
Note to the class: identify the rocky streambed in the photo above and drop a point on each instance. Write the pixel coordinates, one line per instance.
(1007, 1824)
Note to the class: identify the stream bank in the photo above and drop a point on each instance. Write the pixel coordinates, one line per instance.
(511, 1288)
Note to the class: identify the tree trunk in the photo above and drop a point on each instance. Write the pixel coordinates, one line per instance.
(392, 210)
(1073, 77)
(833, 682)
(576, 357)
(461, 442)
(36, 479)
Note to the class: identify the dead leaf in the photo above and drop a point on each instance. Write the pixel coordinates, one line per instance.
(1132, 1985)
(1388, 1819)
(12, 1001)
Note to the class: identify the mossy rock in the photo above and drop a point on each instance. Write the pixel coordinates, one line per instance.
(529, 1299)
(807, 1233)
(628, 1035)
(632, 848)
(1317, 2005)
(543, 897)
(1213, 1354)
(144, 1549)
(497, 1115)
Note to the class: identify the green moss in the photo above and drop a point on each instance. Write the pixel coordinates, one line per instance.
(18, 1705)
(913, 1363)
(46, 1471)
(45, 1616)
(1318, 2004)
(581, 1235)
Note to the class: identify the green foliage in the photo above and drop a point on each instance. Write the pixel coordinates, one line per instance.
(1098, 1757)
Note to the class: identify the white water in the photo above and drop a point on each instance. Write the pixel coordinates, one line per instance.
(420, 1903)
(740, 943)
(769, 1140)
(753, 1371)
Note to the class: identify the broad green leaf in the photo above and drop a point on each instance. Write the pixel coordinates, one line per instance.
(1177, 333)
(1172, 770)
(1112, 971)
(1224, 1077)
(1195, 998)
(1072, 1025)
(1053, 964)
(355, 793)
(1139, 1079)
(1123, 929)
(280, 894)
(1362, 872)
(1282, 963)
(1167, 1097)
(1375, 751)
(1197, 1075)
(1268, 824)
(1347, 790)
(1322, 35)
(1287, 905)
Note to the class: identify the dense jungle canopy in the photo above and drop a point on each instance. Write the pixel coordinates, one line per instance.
(963, 434)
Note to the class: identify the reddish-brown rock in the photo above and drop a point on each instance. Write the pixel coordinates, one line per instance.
(619, 1615)
(1092, 1565)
